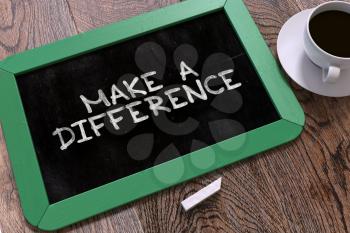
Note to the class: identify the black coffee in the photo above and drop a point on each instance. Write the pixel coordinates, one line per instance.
(331, 32)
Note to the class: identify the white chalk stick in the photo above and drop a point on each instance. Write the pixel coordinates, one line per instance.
(201, 195)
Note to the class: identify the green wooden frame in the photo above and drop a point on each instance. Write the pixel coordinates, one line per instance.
(34, 201)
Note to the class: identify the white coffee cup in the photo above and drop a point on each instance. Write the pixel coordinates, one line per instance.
(331, 65)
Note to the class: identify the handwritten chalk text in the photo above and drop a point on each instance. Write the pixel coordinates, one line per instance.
(150, 97)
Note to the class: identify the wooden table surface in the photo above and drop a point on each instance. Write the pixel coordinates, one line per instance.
(303, 186)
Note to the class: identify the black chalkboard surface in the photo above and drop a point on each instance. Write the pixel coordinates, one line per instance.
(53, 97)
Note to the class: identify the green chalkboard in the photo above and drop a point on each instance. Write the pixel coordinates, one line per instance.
(106, 117)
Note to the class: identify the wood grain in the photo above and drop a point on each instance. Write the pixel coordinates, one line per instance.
(303, 186)
(90, 14)
(28, 24)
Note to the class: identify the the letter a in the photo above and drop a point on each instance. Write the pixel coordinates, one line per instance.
(185, 70)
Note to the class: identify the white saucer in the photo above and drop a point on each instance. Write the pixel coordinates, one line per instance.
(290, 49)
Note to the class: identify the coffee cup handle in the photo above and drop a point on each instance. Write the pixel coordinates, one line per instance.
(331, 74)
